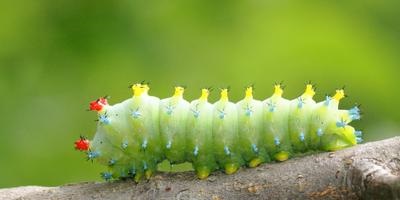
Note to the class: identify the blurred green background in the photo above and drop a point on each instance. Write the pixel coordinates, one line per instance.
(56, 56)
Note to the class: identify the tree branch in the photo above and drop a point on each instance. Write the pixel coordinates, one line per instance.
(367, 171)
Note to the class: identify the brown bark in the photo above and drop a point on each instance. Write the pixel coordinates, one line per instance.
(367, 171)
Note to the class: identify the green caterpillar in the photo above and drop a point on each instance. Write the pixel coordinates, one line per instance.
(135, 135)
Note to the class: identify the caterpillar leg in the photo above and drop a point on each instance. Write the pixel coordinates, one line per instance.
(281, 156)
(148, 173)
(138, 177)
(255, 162)
(261, 157)
(231, 168)
(202, 172)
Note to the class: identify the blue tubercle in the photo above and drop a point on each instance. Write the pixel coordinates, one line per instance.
(300, 102)
(196, 151)
(144, 144)
(111, 162)
(355, 113)
(227, 151)
(277, 141)
(327, 100)
(301, 137)
(248, 111)
(92, 155)
(254, 148)
(221, 114)
(196, 113)
(104, 119)
(124, 145)
(169, 144)
(136, 114)
(341, 124)
(271, 106)
(358, 133)
(106, 176)
(319, 132)
(169, 109)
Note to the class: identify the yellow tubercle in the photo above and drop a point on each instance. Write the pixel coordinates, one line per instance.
(255, 162)
(249, 93)
(204, 94)
(309, 90)
(230, 168)
(278, 91)
(224, 95)
(179, 91)
(339, 95)
(282, 156)
(139, 89)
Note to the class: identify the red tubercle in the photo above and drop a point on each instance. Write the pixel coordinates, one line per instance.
(82, 144)
(98, 104)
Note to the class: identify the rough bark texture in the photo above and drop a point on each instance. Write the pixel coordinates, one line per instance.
(367, 171)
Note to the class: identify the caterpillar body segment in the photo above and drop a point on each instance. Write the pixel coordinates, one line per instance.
(134, 136)
(173, 116)
(110, 134)
(225, 134)
(276, 127)
(143, 117)
(301, 110)
(199, 137)
(250, 125)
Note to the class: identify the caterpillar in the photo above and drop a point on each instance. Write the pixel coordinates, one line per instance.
(135, 135)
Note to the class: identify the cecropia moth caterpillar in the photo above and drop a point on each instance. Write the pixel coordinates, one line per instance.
(135, 135)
